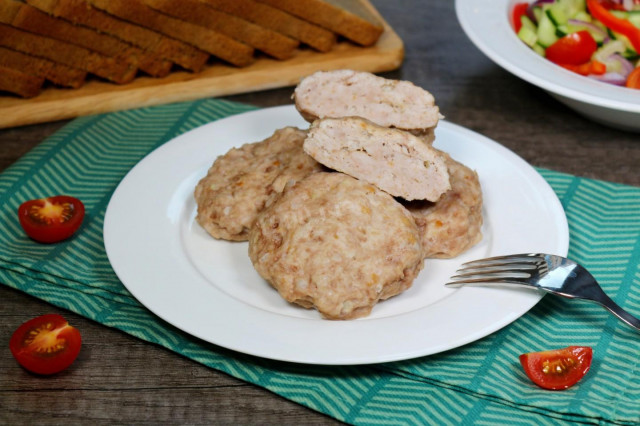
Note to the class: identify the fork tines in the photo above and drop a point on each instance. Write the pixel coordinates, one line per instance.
(512, 269)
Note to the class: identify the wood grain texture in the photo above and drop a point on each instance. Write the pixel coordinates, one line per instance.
(121, 380)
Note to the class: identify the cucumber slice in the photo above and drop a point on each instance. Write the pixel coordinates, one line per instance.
(556, 14)
(573, 7)
(546, 31)
(562, 30)
(526, 22)
(528, 36)
(537, 12)
(634, 18)
(538, 49)
(583, 16)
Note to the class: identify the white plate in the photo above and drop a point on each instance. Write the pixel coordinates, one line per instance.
(487, 24)
(209, 288)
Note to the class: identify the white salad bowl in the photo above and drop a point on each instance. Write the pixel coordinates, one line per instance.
(487, 23)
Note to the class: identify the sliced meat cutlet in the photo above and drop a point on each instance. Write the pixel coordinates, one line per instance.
(277, 20)
(213, 42)
(453, 224)
(243, 181)
(82, 13)
(393, 160)
(336, 244)
(389, 103)
(270, 42)
(59, 74)
(349, 18)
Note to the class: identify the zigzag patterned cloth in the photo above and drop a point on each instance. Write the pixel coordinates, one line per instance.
(480, 383)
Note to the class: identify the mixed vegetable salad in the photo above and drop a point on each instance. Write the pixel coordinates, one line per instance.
(596, 38)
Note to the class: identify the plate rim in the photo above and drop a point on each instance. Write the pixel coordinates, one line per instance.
(351, 327)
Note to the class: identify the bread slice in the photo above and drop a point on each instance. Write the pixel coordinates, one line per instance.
(349, 18)
(277, 20)
(20, 83)
(82, 13)
(213, 42)
(196, 12)
(59, 74)
(66, 53)
(33, 20)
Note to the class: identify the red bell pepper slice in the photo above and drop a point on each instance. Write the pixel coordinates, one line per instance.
(614, 23)
(592, 67)
(633, 80)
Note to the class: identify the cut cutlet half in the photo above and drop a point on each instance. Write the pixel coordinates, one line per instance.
(65, 53)
(213, 42)
(33, 20)
(270, 42)
(82, 13)
(59, 74)
(20, 83)
(277, 20)
(349, 18)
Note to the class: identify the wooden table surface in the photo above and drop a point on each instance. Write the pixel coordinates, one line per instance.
(120, 379)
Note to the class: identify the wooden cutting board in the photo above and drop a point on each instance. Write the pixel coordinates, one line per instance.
(216, 80)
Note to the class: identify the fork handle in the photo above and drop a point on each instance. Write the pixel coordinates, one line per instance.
(616, 310)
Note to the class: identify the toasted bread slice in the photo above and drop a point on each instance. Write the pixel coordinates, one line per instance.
(82, 13)
(33, 20)
(196, 12)
(213, 42)
(277, 20)
(19, 83)
(67, 54)
(349, 18)
(59, 74)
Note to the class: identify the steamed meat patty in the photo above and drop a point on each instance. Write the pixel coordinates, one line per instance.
(393, 160)
(388, 103)
(336, 244)
(243, 181)
(452, 224)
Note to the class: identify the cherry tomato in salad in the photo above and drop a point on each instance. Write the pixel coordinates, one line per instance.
(557, 369)
(572, 49)
(519, 9)
(633, 80)
(46, 344)
(52, 219)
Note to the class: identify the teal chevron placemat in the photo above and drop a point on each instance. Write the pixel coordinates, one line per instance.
(481, 383)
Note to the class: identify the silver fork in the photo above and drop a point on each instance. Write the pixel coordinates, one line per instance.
(553, 274)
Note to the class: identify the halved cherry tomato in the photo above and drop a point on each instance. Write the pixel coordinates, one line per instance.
(46, 344)
(633, 80)
(572, 49)
(53, 219)
(519, 9)
(557, 369)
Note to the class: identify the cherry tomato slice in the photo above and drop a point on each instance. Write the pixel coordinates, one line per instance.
(53, 219)
(519, 9)
(46, 344)
(573, 49)
(557, 369)
(633, 80)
